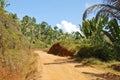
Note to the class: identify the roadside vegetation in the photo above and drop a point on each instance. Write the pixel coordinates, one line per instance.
(15, 55)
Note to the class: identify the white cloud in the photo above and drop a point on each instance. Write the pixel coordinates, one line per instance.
(67, 26)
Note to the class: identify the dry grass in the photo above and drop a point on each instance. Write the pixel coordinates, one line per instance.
(19, 63)
(106, 66)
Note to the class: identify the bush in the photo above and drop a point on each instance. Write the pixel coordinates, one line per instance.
(102, 53)
(117, 51)
(85, 51)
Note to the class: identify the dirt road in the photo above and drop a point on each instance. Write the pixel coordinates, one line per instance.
(61, 68)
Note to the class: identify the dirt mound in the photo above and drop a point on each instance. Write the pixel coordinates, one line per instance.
(57, 49)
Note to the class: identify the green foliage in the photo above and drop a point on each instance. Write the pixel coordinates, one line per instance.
(103, 38)
(3, 4)
(42, 34)
(103, 53)
(104, 31)
(114, 28)
(39, 44)
(114, 33)
(85, 51)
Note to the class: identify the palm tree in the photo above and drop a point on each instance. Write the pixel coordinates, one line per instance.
(110, 8)
(3, 4)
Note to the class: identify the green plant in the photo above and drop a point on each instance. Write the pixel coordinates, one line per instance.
(104, 53)
(85, 51)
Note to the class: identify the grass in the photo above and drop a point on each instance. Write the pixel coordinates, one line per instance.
(104, 66)
(70, 45)
(22, 61)
(30, 67)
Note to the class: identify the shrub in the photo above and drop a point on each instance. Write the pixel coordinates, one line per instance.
(102, 53)
(85, 51)
(117, 51)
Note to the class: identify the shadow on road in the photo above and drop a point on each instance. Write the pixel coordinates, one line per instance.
(104, 76)
(61, 61)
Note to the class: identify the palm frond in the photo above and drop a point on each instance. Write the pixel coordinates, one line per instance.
(99, 7)
(109, 12)
(112, 2)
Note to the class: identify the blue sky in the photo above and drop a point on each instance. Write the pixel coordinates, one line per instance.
(54, 12)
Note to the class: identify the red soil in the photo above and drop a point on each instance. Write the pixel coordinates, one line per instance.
(57, 49)
(6, 74)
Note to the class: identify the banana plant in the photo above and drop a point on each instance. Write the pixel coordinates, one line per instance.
(93, 29)
(114, 30)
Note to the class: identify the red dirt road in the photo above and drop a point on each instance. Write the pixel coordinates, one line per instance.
(61, 68)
